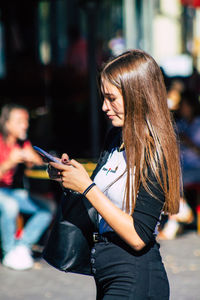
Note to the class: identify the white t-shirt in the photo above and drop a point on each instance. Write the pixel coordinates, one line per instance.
(111, 180)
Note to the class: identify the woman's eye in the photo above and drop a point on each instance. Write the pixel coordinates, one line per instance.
(111, 99)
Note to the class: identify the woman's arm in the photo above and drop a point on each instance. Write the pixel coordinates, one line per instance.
(121, 222)
(75, 177)
(31, 157)
(137, 230)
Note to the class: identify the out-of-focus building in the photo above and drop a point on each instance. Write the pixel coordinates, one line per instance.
(35, 39)
(168, 29)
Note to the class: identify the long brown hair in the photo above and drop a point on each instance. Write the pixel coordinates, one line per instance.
(148, 133)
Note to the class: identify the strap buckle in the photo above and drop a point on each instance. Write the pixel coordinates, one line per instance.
(95, 237)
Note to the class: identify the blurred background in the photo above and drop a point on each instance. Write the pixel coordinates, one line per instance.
(50, 52)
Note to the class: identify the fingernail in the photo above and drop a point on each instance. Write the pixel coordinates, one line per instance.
(65, 161)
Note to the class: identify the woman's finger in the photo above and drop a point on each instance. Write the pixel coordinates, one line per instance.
(64, 158)
(61, 176)
(74, 163)
(61, 167)
(65, 167)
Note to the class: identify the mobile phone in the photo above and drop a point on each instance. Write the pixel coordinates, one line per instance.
(46, 155)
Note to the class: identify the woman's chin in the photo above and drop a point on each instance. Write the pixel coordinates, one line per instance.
(117, 123)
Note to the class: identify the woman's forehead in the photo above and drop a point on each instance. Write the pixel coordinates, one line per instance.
(18, 113)
(107, 86)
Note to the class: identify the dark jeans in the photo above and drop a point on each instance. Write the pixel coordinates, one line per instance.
(121, 273)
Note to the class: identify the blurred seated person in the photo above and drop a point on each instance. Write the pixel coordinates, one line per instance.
(188, 128)
(15, 149)
(174, 95)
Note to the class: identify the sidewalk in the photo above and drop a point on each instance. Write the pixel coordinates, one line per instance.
(181, 257)
(182, 260)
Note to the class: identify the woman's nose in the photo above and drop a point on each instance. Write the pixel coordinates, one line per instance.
(25, 125)
(105, 106)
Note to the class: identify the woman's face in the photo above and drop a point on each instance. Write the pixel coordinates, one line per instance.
(113, 104)
(17, 124)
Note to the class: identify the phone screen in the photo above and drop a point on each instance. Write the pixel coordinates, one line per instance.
(46, 155)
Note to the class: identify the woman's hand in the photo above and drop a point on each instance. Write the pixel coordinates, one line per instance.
(16, 156)
(31, 157)
(54, 173)
(72, 174)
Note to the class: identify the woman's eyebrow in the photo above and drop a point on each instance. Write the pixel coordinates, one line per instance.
(109, 95)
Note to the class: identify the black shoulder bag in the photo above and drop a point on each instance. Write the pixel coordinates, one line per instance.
(70, 241)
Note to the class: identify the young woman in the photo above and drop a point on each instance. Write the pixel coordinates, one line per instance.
(139, 179)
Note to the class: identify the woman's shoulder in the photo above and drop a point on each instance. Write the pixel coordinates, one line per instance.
(113, 138)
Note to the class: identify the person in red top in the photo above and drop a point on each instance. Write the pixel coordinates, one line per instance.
(14, 150)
